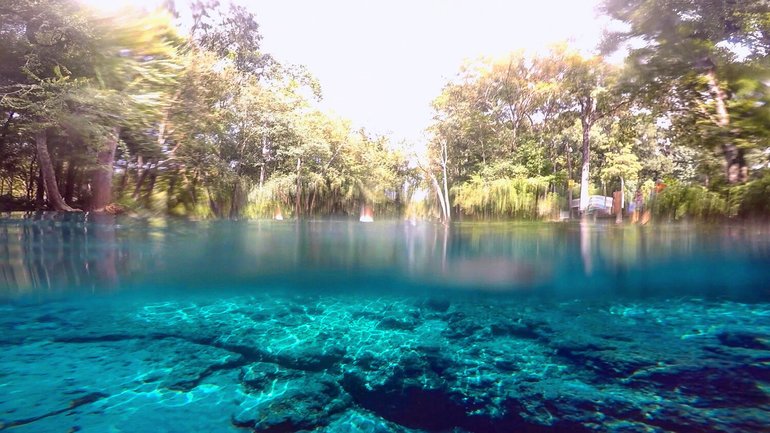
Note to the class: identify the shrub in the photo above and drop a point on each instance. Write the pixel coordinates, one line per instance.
(681, 201)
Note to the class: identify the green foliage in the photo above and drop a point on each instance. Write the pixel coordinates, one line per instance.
(208, 125)
(751, 200)
(525, 198)
(681, 201)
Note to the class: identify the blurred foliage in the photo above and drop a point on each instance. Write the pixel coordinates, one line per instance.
(681, 201)
(523, 198)
(204, 123)
(208, 125)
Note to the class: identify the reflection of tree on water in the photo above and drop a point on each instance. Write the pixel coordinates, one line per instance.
(585, 247)
(107, 252)
(485, 259)
(53, 252)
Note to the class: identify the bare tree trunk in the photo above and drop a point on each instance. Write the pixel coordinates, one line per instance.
(141, 173)
(69, 185)
(569, 179)
(235, 210)
(440, 195)
(49, 177)
(123, 181)
(59, 173)
(172, 179)
(584, 173)
(153, 178)
(735, 162)
(619, 216)
(40, 190)
(262, 171)
(6, 124)
(102, 177)
(31, 177)
(444, 160)
(213, 203)
(311, 204)
(297, 198)
(194, 185)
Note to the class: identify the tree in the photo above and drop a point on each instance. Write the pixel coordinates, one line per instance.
(42, 42)
(685, 52)
(592, 86)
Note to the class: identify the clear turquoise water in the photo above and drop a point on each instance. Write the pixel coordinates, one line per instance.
(129, 325)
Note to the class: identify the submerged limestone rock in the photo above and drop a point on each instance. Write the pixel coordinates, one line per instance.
(360, 364)
(279, 399)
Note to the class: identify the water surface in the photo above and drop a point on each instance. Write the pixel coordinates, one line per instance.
(121, 324)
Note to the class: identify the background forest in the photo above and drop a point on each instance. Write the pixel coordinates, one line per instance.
(135, 112)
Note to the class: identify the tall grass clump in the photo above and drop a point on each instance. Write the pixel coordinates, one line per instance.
(523, 198)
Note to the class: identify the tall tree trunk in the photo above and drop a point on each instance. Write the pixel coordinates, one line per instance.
(213, 203)
(69, 184)
(49, 176)
(262, 171)
(444, 161)
(102, 177)
(297, 199)
(194, 186)
(584, 173)
(40, 190)
(31, 176)
(311, 203)
(569, 179)
(235, 201)
(619, 216)
(170, 192)
(6, 124)
(141, 173)
(123, 181)
(59, 173)
(440, 195)
(153, 178)
(735, 162)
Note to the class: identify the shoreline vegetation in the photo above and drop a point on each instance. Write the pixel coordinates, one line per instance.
(131, 113)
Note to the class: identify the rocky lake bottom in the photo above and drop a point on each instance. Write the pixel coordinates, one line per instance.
(376, 364)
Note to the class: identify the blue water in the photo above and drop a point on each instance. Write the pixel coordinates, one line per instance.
(131, 325)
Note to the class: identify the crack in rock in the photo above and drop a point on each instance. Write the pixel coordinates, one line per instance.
(74, 404)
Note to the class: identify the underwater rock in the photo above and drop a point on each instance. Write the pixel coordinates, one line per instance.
(188, 363)
(514, 329)
(361, 421)
(317, 355)
(278, 399)
(401, 324)
(745, 340)
(261, 375)
(365, 365)
(712, 384)
(440, 305)
(403, 399)
(460, 327)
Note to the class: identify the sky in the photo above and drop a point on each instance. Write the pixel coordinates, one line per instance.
(381, 63)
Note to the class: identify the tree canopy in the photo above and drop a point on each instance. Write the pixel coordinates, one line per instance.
(127, 111)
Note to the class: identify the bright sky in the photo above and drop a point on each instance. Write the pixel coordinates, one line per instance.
(381, 63)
